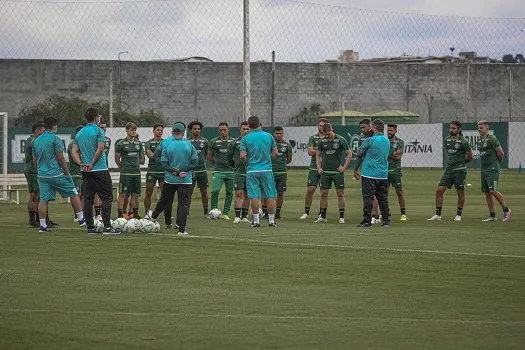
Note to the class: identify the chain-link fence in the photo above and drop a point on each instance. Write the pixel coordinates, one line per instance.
(183, 59)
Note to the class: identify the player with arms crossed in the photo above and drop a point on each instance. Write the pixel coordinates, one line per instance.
(459, 154)
(222, 171)
(279, 166)
(53, 173)
(491, 154)
(155, 173)
(242, 203)
(129, 156)
(397, 147)
(257, 150)
(331, 149)
(200, 173)
(313, 175)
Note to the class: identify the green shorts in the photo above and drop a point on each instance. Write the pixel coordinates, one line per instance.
(152, 178)
(337, 178)
(77, 181)
(200, 178)
(489, 181)
(280, 182)
(454, 178)
(239, 182)
(313, 177)
(394, 179)
(32, 182)
(129, 184)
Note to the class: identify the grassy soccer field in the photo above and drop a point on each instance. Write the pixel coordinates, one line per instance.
(416, 285)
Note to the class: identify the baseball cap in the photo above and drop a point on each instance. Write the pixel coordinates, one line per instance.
(179, 126)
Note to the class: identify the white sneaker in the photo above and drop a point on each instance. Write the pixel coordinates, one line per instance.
(457, 218)
(245, 220)
(320, 219)
(75, 219)
(237, 220)
(375, 221)
(507, 216)
(435, 218)
(341, 220)
(490, 218)
(304, 216)
(99, 217)
(183, 233)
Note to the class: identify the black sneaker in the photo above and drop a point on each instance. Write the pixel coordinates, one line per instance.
(365, 224)
(385, 223)
(277, 216)
(111, 231)
(51, 223)
(169, 226)
(93, 231)
(273, 224)
(253, 224)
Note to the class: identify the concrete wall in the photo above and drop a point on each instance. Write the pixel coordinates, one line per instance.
(213, 91)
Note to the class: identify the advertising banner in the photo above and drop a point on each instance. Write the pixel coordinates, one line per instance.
(423, 145)
(516, 145)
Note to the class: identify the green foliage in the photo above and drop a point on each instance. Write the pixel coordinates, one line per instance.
(307, 115)
(70, 112)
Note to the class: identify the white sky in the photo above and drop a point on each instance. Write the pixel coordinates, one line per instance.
(310, 30)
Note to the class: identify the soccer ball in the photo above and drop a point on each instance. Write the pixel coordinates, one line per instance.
(146, 226)
(132, 226)
(156, 227)
(119, 223)
(215, 213)
(99, 226)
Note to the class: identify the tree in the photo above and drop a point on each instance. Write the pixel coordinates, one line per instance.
(69, 111)
(307, 115)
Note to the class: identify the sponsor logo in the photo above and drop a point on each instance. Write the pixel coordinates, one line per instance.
(298, 146)
(417, 147)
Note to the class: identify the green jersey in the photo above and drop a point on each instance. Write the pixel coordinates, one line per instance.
(153, 166)
(74, 168)
(219, 148)
(234, 156)
(487, 152)
(130, 154)
(28, 156)
(284, 149)
(312, 142)
(332, 152)
(202, 147)
(396, 145)
(457, 150)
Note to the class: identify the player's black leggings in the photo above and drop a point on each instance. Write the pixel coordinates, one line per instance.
(183, 202)
(374, 188)
(97, 182)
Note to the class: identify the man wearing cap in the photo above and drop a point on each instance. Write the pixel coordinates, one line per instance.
(178, 159)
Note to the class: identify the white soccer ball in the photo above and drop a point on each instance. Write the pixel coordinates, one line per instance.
(215, 213)
(99, 226)
(132, 226)
(119, 223)
(156, 226)
(146, 226)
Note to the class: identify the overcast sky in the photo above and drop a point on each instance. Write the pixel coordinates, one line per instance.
(310, 31)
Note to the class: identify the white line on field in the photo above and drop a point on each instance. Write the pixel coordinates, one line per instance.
(259, 316)
(316, 245)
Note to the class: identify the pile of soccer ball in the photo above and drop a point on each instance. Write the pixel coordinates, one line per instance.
(131, 226)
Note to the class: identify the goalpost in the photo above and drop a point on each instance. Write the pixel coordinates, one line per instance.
(4, 144)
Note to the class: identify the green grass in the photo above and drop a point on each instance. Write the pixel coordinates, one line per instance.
(417, 285)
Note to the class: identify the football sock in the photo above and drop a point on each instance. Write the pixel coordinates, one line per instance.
(256, 218)
(265, 210)
(206, 211)
(244, 212)
(438, 211)
(98, 211)
(43, 223)
(80, 215)
(460, 210)
(323, 212)
(492, 214)
(271, 218)
(307, 210)
(506, 209)
(403, 211)
(136, 212)
(237, 212)
(341, 213)
(120, 213)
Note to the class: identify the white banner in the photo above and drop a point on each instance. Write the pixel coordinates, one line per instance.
(298, 138)
(423, 145)
(516, 145)
(19, 141)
